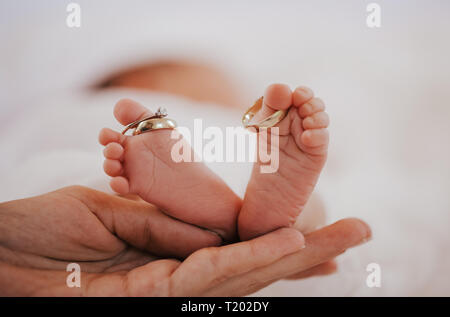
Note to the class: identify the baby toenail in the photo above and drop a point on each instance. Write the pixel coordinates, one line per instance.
(304, 90)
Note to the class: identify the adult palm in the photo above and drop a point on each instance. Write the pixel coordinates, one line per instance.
(126, 247)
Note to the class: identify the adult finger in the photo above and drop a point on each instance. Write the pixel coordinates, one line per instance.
(207, 268)
(144, 226)
(321, 246)
(326, 268)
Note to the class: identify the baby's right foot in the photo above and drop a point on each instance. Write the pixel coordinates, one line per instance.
(142, 164)
(275, 200)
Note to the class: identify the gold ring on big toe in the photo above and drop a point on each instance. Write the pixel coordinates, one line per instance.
(268, 122)
(156, 122)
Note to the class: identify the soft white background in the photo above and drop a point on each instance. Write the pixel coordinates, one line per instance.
(387, 92)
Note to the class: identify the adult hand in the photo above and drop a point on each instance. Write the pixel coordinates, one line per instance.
(114, 239)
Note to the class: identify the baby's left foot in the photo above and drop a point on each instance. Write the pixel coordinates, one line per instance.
(275, 200)
(143, 164)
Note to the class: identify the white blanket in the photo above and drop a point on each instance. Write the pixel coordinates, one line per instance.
(386, 91)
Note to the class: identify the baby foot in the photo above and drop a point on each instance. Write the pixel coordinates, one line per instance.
(143, 165)
(275, 200)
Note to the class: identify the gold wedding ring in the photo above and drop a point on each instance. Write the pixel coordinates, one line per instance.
(268, 122)
(156, 122)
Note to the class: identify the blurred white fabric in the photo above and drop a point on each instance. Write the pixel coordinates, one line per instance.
(386, 91)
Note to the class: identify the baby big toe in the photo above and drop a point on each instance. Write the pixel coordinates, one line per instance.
(127, 111)
(278, 97)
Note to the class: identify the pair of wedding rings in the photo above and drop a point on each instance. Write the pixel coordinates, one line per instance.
(159, 120)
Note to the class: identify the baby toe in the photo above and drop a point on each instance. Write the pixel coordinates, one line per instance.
(312, 106)
(127, 111)
(316, 121)
(278, 97)
(301, 95)
(107, 136)
(315, 137)
(112, 167)
(120, 185)
(113, 151)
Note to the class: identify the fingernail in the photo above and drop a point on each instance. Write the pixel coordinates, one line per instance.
(365, 240)
(366, 232)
